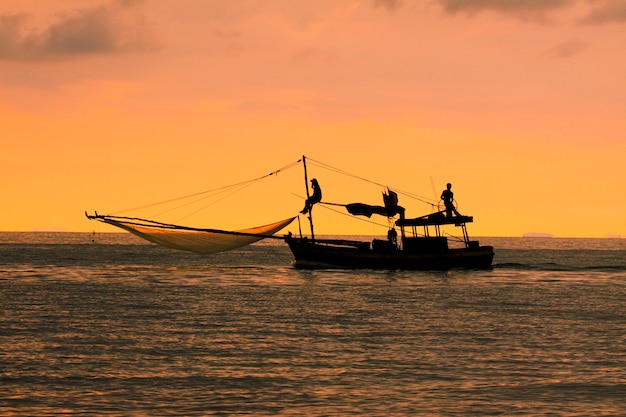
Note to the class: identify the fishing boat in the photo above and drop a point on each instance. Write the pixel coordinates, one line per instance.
(421, 244)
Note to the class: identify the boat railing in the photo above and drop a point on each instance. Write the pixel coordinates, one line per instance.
(335, 242)
(436, 220)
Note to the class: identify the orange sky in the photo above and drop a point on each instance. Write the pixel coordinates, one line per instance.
(107, 105)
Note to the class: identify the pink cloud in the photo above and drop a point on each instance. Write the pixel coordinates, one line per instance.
(607, 11)
(104, 29)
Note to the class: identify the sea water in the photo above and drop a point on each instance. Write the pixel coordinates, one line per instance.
(107, 325)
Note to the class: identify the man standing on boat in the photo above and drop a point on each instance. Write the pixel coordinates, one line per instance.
(316, 197)
(448, 200)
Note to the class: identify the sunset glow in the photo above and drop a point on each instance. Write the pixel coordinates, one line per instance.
(108, 105)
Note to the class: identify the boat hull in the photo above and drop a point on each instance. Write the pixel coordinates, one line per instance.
(310, 254)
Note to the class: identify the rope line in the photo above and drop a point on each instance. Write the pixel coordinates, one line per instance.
(346, 173)
(217, 191)
(136, 221)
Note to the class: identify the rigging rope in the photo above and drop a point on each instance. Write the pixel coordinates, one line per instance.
(236, 186)
(136, 221)
(346, 173)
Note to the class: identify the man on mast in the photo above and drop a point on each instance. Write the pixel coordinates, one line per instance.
(316, 197)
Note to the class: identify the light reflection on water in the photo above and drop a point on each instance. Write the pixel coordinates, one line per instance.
(137, 330)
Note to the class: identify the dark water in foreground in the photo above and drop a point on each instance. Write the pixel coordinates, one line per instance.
(117, 327)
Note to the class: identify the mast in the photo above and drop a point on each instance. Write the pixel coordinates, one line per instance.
(306, 186)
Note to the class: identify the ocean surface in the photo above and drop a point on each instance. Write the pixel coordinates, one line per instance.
(107, 325)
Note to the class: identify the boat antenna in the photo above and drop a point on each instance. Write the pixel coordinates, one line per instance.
(432, 184)
(306, 186)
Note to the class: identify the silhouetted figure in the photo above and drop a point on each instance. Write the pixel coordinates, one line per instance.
(448, 200)
(316, 197)
(392, 237)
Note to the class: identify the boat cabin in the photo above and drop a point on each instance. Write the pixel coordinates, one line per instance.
(432, 239)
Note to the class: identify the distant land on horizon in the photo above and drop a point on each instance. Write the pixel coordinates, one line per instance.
(549, 235)
(51, 229)
(537, 234)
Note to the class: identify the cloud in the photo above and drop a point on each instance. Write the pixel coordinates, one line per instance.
(600, 11)
(606, 11)
(105, 29)
(390, 5)
(518, 8)
(10, 31)
(567, 49)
